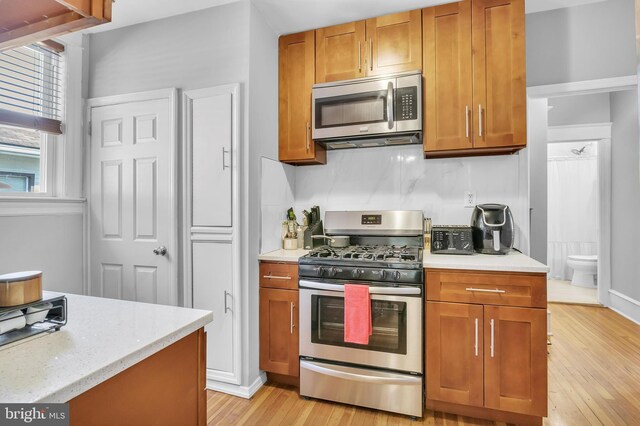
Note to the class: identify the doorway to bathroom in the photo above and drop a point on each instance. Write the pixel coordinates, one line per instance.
(603, 115)
(572, 221)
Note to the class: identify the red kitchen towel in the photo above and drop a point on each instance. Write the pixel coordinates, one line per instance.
(357, 314)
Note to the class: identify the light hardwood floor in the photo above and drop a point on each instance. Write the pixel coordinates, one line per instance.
(594, 378)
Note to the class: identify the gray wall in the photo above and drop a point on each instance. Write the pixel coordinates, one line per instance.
(582, 109)
(190, 51)
(51, 244)
(581, 43)
(263, 142)
(625, 194)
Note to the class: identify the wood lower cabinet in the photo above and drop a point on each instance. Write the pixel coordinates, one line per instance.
(515, 355)
(279, 327)
(454, 353)
(295, 78)
(475, 84)
(483, 359)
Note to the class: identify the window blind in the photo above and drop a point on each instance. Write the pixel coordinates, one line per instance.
(31, 87)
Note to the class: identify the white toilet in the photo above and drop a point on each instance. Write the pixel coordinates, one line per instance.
(585, 269)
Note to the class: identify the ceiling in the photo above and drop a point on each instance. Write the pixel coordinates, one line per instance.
(288, 16)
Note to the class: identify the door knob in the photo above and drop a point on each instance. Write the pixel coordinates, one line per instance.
(160, 251)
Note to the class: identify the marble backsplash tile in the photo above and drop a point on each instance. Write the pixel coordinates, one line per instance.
(391, 178)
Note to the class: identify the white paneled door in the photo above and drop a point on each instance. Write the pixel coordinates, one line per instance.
(132, 223)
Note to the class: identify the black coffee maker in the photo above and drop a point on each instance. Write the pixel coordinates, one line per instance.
(492, 229)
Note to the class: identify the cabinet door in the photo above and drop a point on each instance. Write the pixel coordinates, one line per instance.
(339, 52)
(499, 84)
(515, 354)
(394, 43)
(447, 77)
(279, 331)
(296, 70)
(210, 133)
(213, 291)
(454, 353)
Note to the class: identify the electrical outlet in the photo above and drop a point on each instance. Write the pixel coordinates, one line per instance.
(469, 199)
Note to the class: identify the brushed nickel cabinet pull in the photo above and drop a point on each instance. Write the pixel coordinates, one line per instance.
(275, 277)
(293, 306)
(485, 290)
(480, 120)
(476, 335)
(226, 308)
(371, 53)
(307, 142)
(492, 341)
(466, 121)
(359, 56)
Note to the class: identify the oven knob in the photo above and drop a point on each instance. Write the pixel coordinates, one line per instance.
(320, 271)
(383, 273)
(396, 275)
(332, 272)
(357, 273)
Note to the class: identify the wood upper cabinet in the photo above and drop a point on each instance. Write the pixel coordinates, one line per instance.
(296, 76)
(394, 43)
(515, 354)
(499, 83)
(475, 85)
(339, 52)
(448, 77)
(279, 331)
(454, 354)
(383, 45)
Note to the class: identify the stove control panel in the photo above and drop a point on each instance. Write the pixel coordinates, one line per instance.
(371, 219)
(350, 273)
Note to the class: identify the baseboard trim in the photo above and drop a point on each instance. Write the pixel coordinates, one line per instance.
(625, 306)
(245, 392)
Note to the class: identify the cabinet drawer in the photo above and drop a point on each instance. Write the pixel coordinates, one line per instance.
(490, 288)
(279, 275)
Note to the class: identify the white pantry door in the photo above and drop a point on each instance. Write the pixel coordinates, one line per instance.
(132, 206)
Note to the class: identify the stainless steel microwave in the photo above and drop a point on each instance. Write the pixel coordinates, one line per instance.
(376, 111)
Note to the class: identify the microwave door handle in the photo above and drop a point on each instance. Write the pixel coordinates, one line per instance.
(390, 104)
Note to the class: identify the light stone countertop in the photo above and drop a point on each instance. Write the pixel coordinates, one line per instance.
(102, 338)
(288, 256)
(512, 262)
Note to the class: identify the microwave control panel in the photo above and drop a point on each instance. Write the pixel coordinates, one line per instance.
(406, 103)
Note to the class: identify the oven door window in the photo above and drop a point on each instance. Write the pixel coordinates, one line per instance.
(388, 318)
(352, 110)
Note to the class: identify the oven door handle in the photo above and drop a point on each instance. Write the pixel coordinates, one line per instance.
(360, 377)
(372, 289)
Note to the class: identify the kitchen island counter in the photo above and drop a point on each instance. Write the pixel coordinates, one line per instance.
(103, 337)
(512, 262)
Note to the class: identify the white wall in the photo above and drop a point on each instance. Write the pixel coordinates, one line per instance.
(583, 109)
(262, 142)
(52, 244)
(190, 51)
(581, 43)
(397, 178)
(625, 195)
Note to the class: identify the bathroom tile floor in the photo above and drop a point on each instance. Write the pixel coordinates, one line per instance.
(564, 292)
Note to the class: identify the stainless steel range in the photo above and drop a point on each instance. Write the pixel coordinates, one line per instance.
(386, 255)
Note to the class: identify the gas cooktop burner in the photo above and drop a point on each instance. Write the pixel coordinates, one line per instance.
(381, 253)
